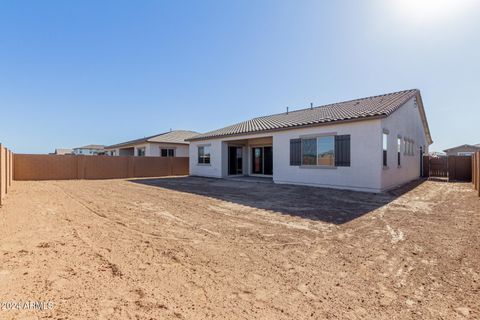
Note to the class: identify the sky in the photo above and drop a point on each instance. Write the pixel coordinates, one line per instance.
(74, 73)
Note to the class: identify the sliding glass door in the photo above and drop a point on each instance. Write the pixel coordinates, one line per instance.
(235, 159)
(262, 160)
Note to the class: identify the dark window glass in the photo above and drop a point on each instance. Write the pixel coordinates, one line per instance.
(385, 146)
(326, 151)
(309, 152)
(399, 150)
(257, 159)
(167, 152)
(204, 154)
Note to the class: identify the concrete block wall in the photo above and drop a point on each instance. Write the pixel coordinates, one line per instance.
(6, 172)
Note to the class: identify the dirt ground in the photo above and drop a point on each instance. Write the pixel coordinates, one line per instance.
(193, 248)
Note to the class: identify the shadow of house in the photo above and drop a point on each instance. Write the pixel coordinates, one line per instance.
(313, 203)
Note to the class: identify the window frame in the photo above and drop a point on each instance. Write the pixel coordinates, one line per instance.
(317, 137)
(385, 149)
(143, 149)
(168, 152)
(204, 160)
(399, 151)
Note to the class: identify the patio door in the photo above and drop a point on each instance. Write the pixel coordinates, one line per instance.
(262, 160)
(235, 161)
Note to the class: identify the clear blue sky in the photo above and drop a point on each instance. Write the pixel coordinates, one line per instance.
(81, 72)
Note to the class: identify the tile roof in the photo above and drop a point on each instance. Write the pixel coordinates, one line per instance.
(175, 136)
(358, 109)
(471, 146)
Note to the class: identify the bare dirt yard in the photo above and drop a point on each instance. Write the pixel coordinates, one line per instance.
(193, 248)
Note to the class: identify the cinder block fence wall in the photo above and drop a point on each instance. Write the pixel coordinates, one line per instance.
(66, 167)
(476, 172)
(6, 171)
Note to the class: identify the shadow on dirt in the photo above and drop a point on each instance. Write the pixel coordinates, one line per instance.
(319, 204)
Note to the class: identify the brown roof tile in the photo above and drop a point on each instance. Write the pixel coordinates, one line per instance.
(175, 136)
(376, 106)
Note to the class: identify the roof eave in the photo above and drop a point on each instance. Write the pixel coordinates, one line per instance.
(423, 115)
(166, 142)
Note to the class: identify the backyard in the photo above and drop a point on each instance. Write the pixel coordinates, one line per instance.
(197, 248)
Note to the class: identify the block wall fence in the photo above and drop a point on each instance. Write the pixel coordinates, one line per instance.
(6, 172)
(66, 167)
(476, 172)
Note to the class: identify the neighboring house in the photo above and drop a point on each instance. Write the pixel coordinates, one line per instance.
(371, 144)
(437, 154)
(90, 150)
(464, 150)
(61, 151)
(168, 144)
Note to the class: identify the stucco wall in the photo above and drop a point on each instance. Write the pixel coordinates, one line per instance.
(214, 169)
(218, 167)
(362, 175)
(405, 122)
(153, 149)
(366, 172)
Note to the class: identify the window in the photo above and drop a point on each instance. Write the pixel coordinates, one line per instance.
(326, 151)
(321, 151)
(385, 147)
(465, 153)
(141, 152)
(399, 150)
(204, 155)
(167, 152)
(309, 152)
(409, 147)
(318, 151)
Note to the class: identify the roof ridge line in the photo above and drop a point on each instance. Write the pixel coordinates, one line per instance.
(340, 102)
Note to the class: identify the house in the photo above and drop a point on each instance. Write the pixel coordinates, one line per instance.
(463, 150)
(168, 144)
(63, 151)
(437, 154)
(90, 150)
(371, 144)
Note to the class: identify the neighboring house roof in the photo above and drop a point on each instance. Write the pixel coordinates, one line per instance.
(93, 146)
(171, 137)
(63, 151)
(471, 146)
(359, 109)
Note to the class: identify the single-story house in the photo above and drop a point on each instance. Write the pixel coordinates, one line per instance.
(371, 144)
(463, 150)
(167, 144)
(90, 150)
(62, 151)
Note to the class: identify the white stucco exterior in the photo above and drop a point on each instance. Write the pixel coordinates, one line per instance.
(366, 171)
(151, 149)
(405, 123)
